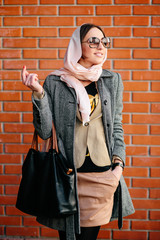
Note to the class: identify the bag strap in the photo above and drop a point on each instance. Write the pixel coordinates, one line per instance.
(52, 141)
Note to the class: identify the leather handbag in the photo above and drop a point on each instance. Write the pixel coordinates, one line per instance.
(47, 187)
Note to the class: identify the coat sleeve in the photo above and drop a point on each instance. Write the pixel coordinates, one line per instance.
(119, 145)
(42, 113)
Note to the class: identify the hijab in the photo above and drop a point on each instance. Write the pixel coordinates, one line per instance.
(72, 72)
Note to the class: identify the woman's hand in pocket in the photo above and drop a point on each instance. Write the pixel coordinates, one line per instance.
(117, 172)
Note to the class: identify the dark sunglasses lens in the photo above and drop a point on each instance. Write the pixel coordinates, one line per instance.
(106, 42)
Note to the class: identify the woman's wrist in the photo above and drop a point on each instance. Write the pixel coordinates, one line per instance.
(39, 94)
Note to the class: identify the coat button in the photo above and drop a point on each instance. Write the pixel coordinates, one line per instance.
(86, 124)
(105, 102)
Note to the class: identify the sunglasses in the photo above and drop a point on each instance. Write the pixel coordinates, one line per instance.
(94, 42)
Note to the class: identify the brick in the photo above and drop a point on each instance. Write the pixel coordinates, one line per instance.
(40, 32)
(114, 53)
(10, 138)
(12, 169)
(135, 172)
(10, 53)
(154, 193)
(5, 179)
(18, 127)
(113, 10)
(126, 118)
(136, 150)
(39, 10)
(146, 53)
(27, 96)
(46, 232)
(118, 32)
(147, 97)
(146, 32)
(9, 64)
(10, 11)
(10, 75)
(124, 74)
(139, 193)
(19, 2)
(155, 108)
(104, 234)
(20, 21)
(129, 235)
(1, 213)
(53, 43)
(114, 225)
(20, 43)
(131, 1)
(55, 1)
(10, 96)
(146, 75)
(13, 211)
(146, 140)
(155, 65)
(135, 129)
(155, 1)
(155, 42)
(22, 231)
(15, 85)
(155, 172)
(146, 161)
(144, 10)
(130, 43)
(146, 183)
(155, 86)
(10, 158)
(27, 138)
(76, 10)
(1, 230)
(126, 97)
(154, 151)
(39, 53)
(156, 21)
(146, 225)
(66, 32)
(18, 107)
(131, 64)
(10, 32)
(94, 20)
(154, 235)
(11, 189)
(8, 200)
(155, 129)
(10, 221)
(94, 1)
(135, 107)
(14, 148)
(127, 140)
(30, 221)
(145, 118)
(50, 64)
(28, 117)
(131, 21)
(135, 86)
(56, 21)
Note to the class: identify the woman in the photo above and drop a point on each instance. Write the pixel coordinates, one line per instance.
(85, 103)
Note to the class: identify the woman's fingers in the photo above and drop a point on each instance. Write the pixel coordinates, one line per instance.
(30, 80)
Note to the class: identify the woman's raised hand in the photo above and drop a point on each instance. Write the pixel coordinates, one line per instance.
(31, 81)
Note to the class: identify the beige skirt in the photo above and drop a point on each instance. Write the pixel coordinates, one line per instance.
(96, 191)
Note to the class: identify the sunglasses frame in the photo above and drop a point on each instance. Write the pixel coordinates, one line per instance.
(100, 40)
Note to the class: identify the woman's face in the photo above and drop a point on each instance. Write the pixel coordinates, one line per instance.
(92, 56)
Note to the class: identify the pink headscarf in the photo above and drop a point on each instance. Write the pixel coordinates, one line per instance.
(72, 72)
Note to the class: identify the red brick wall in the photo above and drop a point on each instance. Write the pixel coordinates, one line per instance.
(35, 33)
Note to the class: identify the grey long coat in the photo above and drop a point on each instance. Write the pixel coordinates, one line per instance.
(59, 104)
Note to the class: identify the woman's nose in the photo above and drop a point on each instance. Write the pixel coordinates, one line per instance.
(100, 46)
